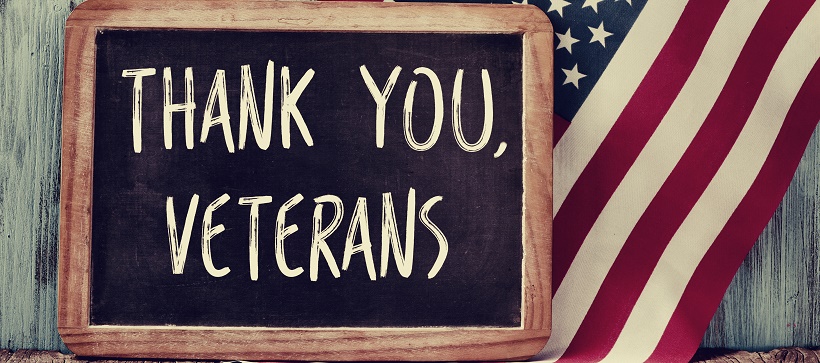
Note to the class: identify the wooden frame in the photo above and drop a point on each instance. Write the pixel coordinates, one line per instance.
(316, 343)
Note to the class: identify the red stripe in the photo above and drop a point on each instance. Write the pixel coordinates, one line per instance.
(645, 245)
(714, 273)
(633, 128)
(559, 127)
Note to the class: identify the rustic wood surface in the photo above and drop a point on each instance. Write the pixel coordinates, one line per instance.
(39, 356)
(783, 355)
(31, 71)
(797, 355)
(772, 302)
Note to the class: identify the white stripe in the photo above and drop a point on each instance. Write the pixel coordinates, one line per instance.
(646, 176)
(658, 301)
(611, 94)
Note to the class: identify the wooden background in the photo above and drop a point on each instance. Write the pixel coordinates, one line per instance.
(772, 301)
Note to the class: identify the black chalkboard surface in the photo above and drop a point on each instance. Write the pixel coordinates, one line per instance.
(299, 175)
(479, 212)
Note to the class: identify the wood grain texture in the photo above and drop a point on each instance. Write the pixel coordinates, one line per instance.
(326, 16)
(41, 356)
(783, 355)
(76, 179)
(538, 178)
(772, 301)
(31, 51)
(317, 344)
(426, 344)
(796, 355)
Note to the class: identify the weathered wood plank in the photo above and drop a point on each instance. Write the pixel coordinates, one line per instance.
(801, 355)
(42, 356)
(772, 301)
(31, 51)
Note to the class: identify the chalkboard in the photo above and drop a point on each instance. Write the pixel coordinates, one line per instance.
(306, 181)
(475, 198)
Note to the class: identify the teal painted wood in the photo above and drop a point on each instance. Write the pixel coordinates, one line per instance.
(31, 52)
(772, 301)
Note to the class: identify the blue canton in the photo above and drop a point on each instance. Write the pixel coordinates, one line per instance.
(587, 35)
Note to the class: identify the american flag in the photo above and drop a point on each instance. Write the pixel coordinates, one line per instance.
(679, 126)
(688, 121)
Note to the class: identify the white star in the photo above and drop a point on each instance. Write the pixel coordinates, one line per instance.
(591, 3)
(599, 34)
(523, 2)
(566, 40)
(573, 75)
(558, 5)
